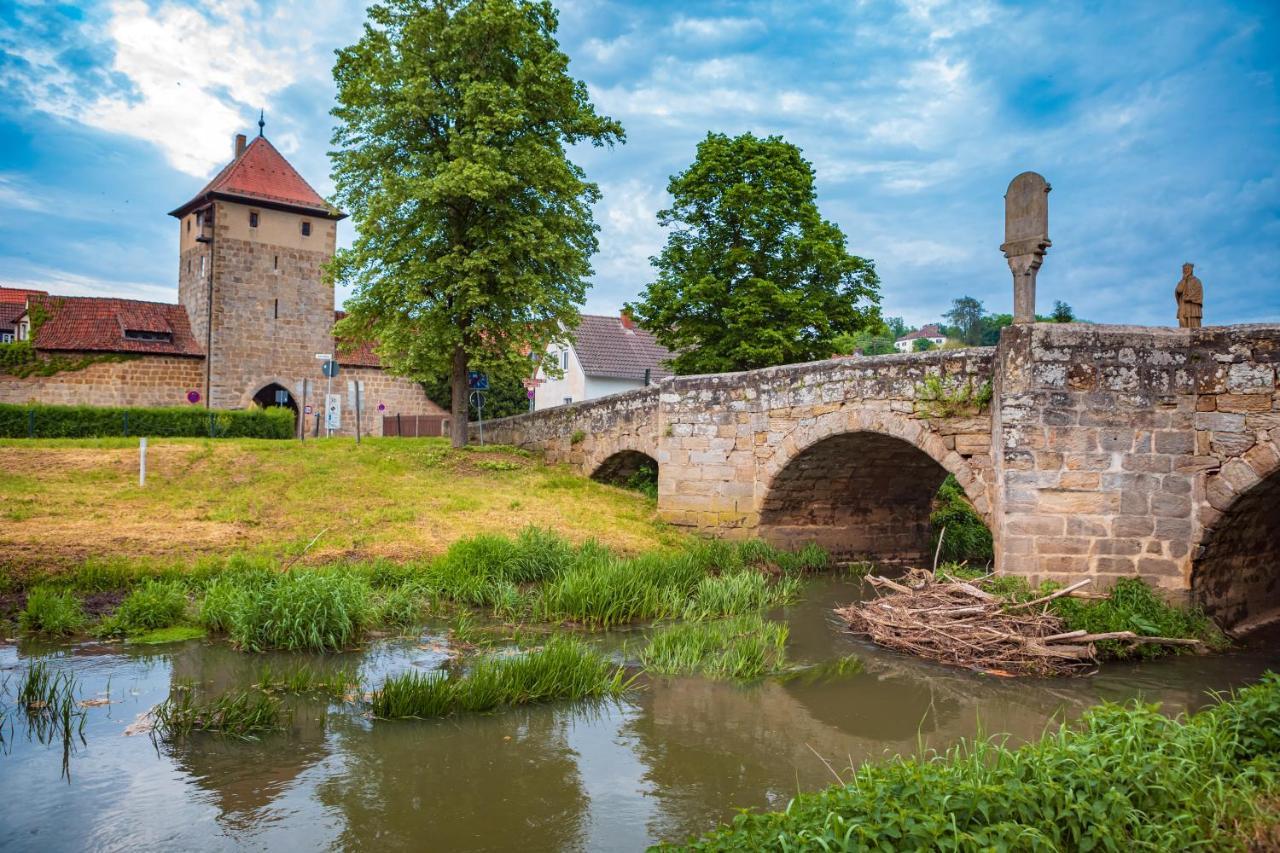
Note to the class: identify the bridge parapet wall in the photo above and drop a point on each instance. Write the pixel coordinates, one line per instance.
(1112, 438)
(584, 434)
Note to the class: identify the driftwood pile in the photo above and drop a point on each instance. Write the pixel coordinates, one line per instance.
(962, 624)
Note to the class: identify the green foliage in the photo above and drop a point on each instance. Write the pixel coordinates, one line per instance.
(644, 481)
(305, 679)
(741, 592)
(923, 345)
(317, 610)
(578, 437)
(1124, 778)
(751, 274)
(965, 318)
(399, 606)
(741, 647)
(47, 698)
(51, 611)
(1133, 606)
(473, 228)
(174, 634)
(19, 358)
(152, 604)
(243, 715)
(938, 397)
(1062, 312)
(608, 591)
(18, 421)
(506, 396)
(967, 538)
(564, 668)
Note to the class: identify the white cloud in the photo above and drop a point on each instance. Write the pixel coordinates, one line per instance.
(715, 29)
(65, 283)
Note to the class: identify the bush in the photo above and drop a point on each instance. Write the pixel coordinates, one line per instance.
(1133, 606)
(51, 611)
(36, 421)
(153, 604)
(967, 537)
(1123, 778)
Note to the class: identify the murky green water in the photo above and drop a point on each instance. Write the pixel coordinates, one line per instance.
(668, 761)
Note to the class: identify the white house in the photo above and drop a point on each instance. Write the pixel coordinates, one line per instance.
(607, 355)
(930, 333)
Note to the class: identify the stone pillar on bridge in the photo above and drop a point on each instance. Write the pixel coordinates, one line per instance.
(1026, 238)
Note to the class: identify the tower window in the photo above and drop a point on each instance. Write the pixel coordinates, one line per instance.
(188, 266)
(188, 224)
(275, 262)
(306, 229)
(202, 257)
(277, 309)
(253, 219)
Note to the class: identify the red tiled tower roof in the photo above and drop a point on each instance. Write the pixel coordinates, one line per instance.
(102, 324)
(262, 176)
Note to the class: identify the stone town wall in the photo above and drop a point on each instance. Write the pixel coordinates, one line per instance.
(147, 380)
(1120, 445)
(771, 451)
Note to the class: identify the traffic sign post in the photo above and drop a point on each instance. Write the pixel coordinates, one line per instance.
(477, 400)
(330, 370)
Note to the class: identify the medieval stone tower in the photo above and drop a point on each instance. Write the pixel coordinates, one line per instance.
(252, 246)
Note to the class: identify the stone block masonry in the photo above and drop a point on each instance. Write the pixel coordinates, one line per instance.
(1106, 451)
(140, 381)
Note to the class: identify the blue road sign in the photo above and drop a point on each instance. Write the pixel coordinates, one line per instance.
(477, 381)
(329, 368)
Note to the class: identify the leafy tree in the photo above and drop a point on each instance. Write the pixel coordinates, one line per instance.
(507, 394)
(751, 274)
(1062, 312)
(896, 326)
(966, 320)
(473, 228)
(922, 345)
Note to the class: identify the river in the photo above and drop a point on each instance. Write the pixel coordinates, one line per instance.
(669, 760)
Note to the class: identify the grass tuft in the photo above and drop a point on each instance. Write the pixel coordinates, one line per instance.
(153, 604)
(51, 611)
(241, 715)
(319, 610)
(742, 647)
(564, 668)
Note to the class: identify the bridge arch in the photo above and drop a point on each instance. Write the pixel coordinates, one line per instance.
(1235, 575)
(861, 484)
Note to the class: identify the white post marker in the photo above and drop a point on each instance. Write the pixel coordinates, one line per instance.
(142, 461)
(333, 412)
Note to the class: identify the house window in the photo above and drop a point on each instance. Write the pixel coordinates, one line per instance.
(568, 400)
(564, 359)
(253, 219)
(306, 229)
(6, 337)
(147, 335)
(199, 220)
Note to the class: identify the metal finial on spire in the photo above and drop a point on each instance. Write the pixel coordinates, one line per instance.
(262, 121)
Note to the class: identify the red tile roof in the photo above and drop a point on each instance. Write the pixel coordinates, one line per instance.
(9, 314)
(18, 295)
(98, 324)
(929, 331)
(354, 354)
(261, 175)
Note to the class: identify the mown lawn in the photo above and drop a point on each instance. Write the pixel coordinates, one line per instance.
(65, 501)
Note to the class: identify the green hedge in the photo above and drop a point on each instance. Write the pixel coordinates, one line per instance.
(37, 421)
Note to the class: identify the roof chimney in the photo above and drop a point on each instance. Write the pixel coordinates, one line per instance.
(241, 139)
(627, 321)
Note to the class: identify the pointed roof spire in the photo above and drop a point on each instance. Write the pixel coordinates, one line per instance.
(262, 176)
(262, 121)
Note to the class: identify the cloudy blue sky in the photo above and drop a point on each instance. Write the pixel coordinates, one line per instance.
(1157, 123)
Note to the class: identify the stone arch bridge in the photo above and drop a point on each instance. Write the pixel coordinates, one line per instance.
(1105, 451)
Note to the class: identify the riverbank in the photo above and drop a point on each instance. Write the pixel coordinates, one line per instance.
(64, 503)
(1122, 778)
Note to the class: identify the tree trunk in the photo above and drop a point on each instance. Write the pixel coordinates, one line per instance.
(458, 384)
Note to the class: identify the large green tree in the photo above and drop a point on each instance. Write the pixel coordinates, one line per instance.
(751, 274)
(473, 228)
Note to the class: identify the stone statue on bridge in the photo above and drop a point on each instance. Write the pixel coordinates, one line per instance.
(1190, 296)
(1026, 237)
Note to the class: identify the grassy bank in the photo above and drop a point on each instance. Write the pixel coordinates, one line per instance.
(67, 502)
(536, 576)
(1123, 778)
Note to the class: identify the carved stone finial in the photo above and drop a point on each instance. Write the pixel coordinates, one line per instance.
(1026, 238)
(1190, 296)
